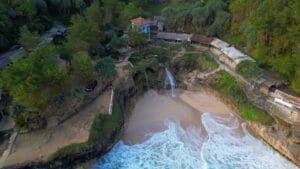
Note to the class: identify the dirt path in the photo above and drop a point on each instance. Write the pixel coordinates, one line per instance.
(39, 145)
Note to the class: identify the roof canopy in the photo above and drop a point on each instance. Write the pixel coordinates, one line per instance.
(219, 43)
(233, 53)
(174, 36)
(202, 39)
(140, 21)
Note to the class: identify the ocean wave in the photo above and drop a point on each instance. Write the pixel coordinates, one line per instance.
(178, 148)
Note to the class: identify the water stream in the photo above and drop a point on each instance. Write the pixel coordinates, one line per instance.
(170, 80)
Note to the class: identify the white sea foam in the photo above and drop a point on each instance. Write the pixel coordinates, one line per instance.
(227, 149)
(178, 148)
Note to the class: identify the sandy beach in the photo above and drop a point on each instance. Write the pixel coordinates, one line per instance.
(153, 109)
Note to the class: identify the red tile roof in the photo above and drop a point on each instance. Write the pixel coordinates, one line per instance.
(202, 39)
(140, 21)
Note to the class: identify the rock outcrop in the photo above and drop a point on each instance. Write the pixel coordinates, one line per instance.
(280, 138)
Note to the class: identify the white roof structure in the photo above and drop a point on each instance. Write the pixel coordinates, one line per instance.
(235, 54)
(219, 44)
(231, 52)
(174, 36)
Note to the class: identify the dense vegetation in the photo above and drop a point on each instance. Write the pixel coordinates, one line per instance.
(205, 17)
(228, 86)
(49, 71)
(36, 78)
(266, 29)
(269, 31)
(249, 69)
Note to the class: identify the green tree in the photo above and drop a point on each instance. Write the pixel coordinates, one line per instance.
(28, 39)
(82, 66)
(269, 31)
(117, 42)
(85, 30)
(106, 68)
(34, 80)
(136, 37)
(131, 10)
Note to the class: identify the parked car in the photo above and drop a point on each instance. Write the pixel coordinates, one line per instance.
(91, 85)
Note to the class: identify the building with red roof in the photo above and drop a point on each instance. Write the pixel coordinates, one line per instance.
(142, 24)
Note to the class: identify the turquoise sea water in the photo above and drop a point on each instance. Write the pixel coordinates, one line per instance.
(178, 148)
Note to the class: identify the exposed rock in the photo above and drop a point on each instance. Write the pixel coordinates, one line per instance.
(280, 138)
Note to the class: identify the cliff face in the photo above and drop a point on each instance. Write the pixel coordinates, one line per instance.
(280, 138)
(125, 91)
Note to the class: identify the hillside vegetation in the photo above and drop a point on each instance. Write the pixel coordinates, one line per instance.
(268, 30)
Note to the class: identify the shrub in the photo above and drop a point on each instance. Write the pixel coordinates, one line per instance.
(104, 125)
(254, 114)
(106, 68)
(189, 61)
(97, 50)
(82, 66)
(21, 120)
(249, 69)
(207, 63)
(137, 38)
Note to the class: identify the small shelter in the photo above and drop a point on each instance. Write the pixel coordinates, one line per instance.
(169, 36)
(201, 39)
(219, 44)
(142, 24)
(229, 54)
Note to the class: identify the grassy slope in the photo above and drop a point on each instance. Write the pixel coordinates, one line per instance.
(228, 86)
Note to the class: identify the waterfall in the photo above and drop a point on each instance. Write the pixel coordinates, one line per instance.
(170, 81)
(147, 81)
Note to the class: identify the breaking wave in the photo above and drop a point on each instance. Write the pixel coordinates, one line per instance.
(177, 148)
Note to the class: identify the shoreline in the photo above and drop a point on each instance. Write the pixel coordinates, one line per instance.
(101, 150)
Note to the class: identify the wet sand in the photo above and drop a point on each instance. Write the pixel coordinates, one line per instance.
(153, 109)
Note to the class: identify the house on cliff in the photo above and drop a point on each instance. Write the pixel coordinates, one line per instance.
(141, 24)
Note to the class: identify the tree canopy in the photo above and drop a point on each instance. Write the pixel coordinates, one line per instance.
(106, 68)
(269, 31)
(33, 81)
(206, 17)
(28, 39)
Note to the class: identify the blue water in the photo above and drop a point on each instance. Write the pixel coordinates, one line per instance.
(178, 148)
